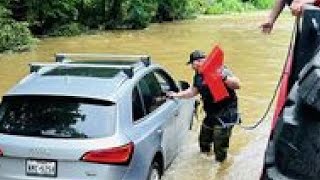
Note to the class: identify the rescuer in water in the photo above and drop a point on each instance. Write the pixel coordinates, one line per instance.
(220, 116)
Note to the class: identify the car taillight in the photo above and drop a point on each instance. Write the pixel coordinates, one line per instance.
(1, 152)
(116, 155)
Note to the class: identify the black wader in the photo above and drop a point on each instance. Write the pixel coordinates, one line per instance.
(213, 129)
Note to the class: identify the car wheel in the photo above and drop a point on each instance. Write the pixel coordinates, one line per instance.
(154, 171)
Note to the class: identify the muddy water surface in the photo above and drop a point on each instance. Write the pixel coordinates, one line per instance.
(255, 58)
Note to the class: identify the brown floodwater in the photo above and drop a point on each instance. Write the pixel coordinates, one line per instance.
(255, 58)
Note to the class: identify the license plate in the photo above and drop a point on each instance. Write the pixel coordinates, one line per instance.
(41, 168)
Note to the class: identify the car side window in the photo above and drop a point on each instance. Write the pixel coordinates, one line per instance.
(165, 81)
(137, 106)
(151, 92)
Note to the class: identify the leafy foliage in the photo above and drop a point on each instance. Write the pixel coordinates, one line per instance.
(177, 9)
(4, 12)
(15, 36)
(262, 4)
(223, 6)
(72, 17)
(139, 13)
(67, 30)
(44, 15)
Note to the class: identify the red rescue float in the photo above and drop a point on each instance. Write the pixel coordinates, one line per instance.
(211, 71)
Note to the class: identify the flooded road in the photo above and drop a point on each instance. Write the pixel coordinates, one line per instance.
(255, 58)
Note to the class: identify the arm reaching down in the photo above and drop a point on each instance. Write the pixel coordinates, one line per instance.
(188, 93)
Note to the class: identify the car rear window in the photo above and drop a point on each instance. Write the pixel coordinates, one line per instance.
(57, 117)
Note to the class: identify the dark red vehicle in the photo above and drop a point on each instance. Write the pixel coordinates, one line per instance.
(293, 150)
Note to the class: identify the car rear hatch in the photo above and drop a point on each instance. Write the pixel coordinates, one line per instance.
(66, 138)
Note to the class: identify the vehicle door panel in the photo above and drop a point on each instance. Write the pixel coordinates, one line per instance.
(159, 113)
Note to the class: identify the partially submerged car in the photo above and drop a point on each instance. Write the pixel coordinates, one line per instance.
(293, 150)
(106, 119)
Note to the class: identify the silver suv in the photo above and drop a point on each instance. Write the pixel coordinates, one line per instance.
(92, 119)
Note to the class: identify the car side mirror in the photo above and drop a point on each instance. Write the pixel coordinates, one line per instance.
(184, 85)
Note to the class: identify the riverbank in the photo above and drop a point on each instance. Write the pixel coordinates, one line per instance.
(21, 21)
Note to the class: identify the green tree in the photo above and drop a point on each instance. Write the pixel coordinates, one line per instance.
(18, 9)
(114, 13)
(169, 10)
(45, 15)
(140, 13)
(92, 13)
(13, 35)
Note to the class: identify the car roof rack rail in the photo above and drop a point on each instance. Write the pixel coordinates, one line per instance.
(66, 57)
(127, 69)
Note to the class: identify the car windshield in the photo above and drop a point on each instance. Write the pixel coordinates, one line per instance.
(57, 117)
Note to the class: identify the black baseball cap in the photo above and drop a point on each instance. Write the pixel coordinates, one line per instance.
(195, 55)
